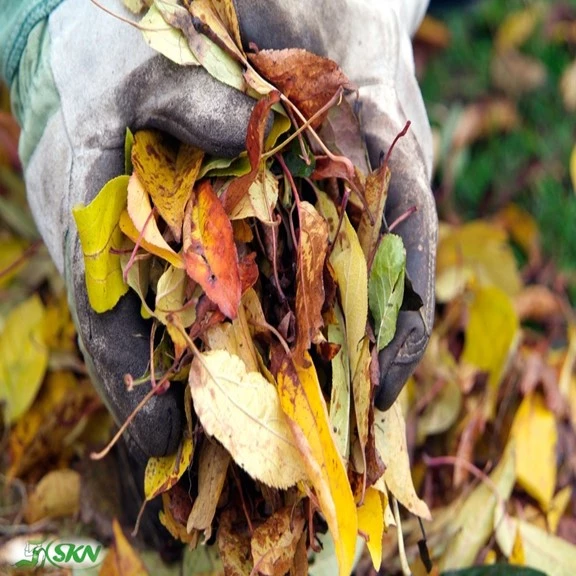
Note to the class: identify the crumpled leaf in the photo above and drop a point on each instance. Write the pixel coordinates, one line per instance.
(386, 287)
(340, 395)
(212, 470)
(242, 410)
(312, 249)
(351, 272)
(274, 542)
(164, 471)
(535, 435)
(23, 357)
(542, 550)
(390, 432)
(227, 12)
(210, 254)
(99, 234)
(472, 522)
(304, 405)
(308, 80)
(475, 252)
(55, 496)
(139, 224)
(165, 39)
(176, 507)
(371, 524)
(122, 559)
(167, 172)
(490, 337)
(234, 547)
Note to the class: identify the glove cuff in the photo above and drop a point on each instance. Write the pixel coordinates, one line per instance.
(18, 18)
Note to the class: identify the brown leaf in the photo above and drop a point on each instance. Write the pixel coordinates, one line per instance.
(210, 254)
(274, 543)
(175, 502)
(312, 250)
(234, 547)
(239, 187)
(308, 80)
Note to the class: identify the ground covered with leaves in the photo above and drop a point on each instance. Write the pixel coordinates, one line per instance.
(490, 412)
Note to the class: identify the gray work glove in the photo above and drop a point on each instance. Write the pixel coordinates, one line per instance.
(102, 77)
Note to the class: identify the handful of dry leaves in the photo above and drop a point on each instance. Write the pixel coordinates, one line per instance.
(271, 282)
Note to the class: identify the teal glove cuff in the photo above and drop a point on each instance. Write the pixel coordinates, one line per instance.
(17, 19)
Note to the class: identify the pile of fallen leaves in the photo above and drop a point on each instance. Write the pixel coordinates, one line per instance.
(258, 274)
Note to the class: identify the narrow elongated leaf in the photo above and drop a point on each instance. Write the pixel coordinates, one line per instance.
(371, 524)
(242, 410)
(303, 403)
(386, 287)
(99, 234)
(209, 251)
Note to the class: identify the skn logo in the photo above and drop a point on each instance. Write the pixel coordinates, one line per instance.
(73, 553)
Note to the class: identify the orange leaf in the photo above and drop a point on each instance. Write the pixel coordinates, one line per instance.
(307, 79)
(210, 254)
(122, 560)
(312, 250)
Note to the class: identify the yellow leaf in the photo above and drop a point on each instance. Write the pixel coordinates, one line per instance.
(227, 13)
(390, 433)
(23, 357)
(472, 519)
(166, 39)
(534, 431)
(260, 200)
(351, 271)
(140, 225)
(543, 551)
(212, 470)
(558, 507)
(517, 28)
(163, 472)
(490, 337)
(371, 524)
(99, 234)
(55, 496)
(303, 403)
(522, 227)
(517, 555)
(122, 559)
(242, 410)
(11, 250)
(476, 252)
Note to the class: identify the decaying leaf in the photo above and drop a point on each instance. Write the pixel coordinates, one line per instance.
(56, 495)
(99, 235)
(210, 254)
(234, 547)
(302, 402)
(242, 410)
(386, 287)
(274, 542)
(164, 471)
(23, 357)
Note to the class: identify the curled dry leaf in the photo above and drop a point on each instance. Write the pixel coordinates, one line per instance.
(242, 410)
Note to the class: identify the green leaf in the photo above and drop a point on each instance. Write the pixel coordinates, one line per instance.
(495, 570)
(386, 287)
(99, 233)
(296, 164)
(23, 357)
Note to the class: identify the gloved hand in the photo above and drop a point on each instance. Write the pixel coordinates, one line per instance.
(95, 76)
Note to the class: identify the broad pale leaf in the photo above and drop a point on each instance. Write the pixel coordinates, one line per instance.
(210, 254)
(535, 435)
(163, 472)
(386, 287)
(472, 519)
(274, 542)
(490, 337)
(371, 524)
(55, 496)
(542, 550)
(308, 80)
(340, 395)
(375, 194)
(304, 405)
(242, 410)
(212, 470)
(167, 40)
(145, 229)
(260, 200)
(390, 431)
(312, 249)
(99, 234)
(23, 357)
